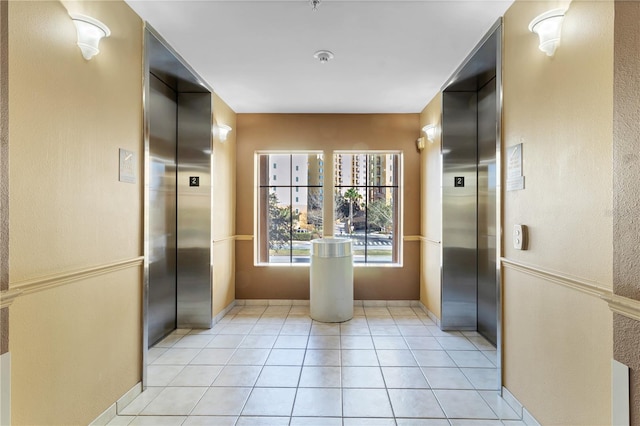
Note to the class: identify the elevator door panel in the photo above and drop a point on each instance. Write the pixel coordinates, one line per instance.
(459, 213)
(487, 273)
(194, 211)
(162, 209)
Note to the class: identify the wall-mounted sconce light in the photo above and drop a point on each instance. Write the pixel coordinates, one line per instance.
(90, 32)
(420, 143)
(548, 27)
(430, 131)
(222, 130)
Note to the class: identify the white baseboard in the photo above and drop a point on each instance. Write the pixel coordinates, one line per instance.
(5, 389)
(271, 302)
(301, 302)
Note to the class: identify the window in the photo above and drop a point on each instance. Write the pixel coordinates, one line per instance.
(288, 223)
(367, 205)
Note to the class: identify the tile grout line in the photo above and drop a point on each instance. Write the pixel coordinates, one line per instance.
(295, 397)
(384, 380)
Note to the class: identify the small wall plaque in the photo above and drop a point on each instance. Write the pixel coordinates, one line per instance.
(194, 181)
(127, 166)
(458, 182)
(515, 179)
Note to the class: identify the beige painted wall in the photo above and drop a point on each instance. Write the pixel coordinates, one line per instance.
(431, 209)
(76, 347)
(557, 352)
(326, 132)
(557, 342)
(223, 213)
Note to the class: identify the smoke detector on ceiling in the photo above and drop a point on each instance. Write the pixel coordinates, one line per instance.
(323, 56)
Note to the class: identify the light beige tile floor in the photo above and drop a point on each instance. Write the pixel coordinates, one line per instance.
(273, 365)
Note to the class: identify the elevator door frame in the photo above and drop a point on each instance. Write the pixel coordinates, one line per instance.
(194, 294)
(470, 69)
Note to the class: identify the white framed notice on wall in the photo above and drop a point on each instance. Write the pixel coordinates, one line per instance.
(515, 179)
(127, 166)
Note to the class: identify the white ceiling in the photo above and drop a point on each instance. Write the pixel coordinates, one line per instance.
(390, 56)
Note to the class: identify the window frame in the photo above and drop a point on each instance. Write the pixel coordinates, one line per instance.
(397, 227)
(328, 186)
(261, 238)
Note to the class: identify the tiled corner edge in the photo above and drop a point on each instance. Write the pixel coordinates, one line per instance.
(512, 401)
(111, 412)
(106, 416)
(224, 312)
(128, 397)
(528, 419)
(430, 314)
(525, 415)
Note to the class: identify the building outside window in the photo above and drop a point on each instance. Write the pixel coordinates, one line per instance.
(287, 224)
(367, 204)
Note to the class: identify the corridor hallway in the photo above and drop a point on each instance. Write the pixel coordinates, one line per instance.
(273, 365)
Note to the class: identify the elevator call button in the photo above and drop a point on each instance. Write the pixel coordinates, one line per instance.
(194, 181)
(458, 182)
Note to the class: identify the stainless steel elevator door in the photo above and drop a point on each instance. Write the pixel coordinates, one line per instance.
(459, 212)
(194, 210)
(487, 273)
(162, 209)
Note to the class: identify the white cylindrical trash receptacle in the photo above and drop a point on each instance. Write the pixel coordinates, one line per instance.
(331, 280)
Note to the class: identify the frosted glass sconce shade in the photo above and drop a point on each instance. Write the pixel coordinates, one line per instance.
(548, 27)
(90, 32)
(222, 130)
(430, 131)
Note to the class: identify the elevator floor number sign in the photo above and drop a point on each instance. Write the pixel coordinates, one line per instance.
(458, 182)
(194, 181)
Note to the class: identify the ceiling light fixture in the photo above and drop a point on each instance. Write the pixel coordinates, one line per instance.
(548, 26)
(323, 56)
(314, 4)
(90, 31)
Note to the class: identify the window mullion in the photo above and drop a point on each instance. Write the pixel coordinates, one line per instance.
(291, 208)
